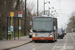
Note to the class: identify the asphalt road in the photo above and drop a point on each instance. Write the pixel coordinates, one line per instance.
(67, 43)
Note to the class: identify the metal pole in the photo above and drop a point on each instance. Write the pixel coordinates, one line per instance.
(49, 10)
(7, 28)
(11, 26)
(0, 22)
(18, 28)
(14, 27)
(37, 7)
(44, 7)
(25, 20)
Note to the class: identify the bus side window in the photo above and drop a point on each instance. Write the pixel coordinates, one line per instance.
(54, 24)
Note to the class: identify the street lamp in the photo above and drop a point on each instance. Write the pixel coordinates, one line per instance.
(57, 14)
(52, 7)
(54, 12)
(37, 7)
(44, 6)
(51, 10)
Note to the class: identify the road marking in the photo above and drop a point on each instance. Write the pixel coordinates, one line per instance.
(72, 38)
(54, 46)
(35, 47)
(60, 47)
(63, 48)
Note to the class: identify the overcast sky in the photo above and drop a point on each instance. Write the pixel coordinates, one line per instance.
(63, 7)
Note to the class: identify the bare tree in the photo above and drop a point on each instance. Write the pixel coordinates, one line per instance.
(7, 6)
(71, 24)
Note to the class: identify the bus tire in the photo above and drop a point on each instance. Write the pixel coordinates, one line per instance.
(30, 36)
(56, 40)
(35, 41)
(61, 37)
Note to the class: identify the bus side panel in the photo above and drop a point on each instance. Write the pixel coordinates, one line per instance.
(55, 24)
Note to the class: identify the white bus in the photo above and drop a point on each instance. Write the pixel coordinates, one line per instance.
(44, 28)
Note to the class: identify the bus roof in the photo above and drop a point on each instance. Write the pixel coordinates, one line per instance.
(44, 16)
(55, 19)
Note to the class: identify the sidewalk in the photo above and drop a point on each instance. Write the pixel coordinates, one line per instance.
(5, 44)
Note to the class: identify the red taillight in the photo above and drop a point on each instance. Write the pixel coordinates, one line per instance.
(30, 31)
(50, 34)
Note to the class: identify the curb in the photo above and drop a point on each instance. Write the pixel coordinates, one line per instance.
(17, 46)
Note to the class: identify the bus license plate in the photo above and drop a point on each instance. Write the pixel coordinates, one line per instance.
(42, 38)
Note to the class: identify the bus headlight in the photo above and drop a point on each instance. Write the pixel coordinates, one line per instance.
(51, 34)
(33, 35)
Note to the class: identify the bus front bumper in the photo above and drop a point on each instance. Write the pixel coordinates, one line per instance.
(42, 38)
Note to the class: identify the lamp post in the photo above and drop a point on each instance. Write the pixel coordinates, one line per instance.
(54, 12)
(57, 14)
(51, 11)
(44, 6)
(37, 7)
(25, 20)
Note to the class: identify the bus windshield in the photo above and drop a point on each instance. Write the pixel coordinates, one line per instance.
(42, 24)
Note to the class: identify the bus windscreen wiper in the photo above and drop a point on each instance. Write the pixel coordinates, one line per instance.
(41, 30)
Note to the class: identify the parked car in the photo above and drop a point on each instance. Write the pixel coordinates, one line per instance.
(60, 33)
(30, 33)
(64, 32)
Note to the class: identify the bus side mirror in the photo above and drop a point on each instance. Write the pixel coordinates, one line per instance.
(54, 28)
(30, 22)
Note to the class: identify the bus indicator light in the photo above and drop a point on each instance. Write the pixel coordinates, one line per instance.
(33, 35)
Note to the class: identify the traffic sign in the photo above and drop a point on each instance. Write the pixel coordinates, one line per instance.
(11, 27)
(11, 14)
(19, 14)
(19, 27)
